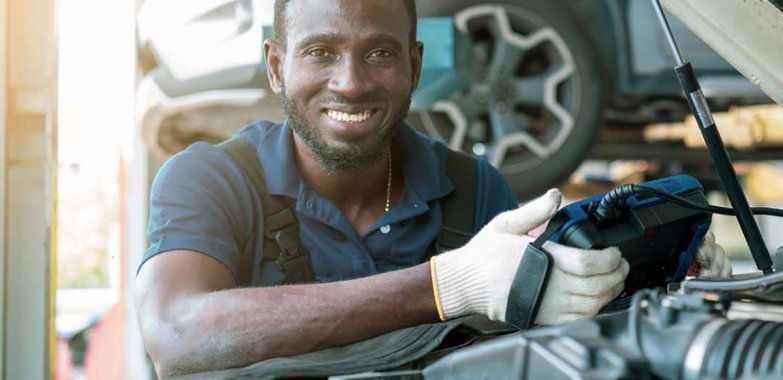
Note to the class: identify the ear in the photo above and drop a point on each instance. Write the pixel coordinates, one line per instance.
(417, 57)
(274, 57)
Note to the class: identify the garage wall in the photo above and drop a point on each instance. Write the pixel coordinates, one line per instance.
(29, 172)
(3, 139)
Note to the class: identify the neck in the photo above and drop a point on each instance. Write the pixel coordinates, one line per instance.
(360, 189)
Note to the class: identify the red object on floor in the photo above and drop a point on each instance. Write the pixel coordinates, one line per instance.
(63, 369)
(105, 356)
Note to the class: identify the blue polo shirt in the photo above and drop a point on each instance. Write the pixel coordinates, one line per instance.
(200, 201)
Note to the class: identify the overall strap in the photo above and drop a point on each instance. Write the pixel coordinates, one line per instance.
(281, 229)
(459, 206)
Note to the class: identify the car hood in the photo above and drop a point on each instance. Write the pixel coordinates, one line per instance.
(748, 34)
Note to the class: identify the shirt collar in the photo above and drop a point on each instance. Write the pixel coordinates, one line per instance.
(422, 166)
(424, 177)
(276, 149)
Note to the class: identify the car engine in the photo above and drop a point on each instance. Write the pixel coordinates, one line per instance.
(703, 330)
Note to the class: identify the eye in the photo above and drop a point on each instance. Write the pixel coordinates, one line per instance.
(318, 52)
(381, 53)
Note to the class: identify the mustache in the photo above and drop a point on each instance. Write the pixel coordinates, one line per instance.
(340, 101)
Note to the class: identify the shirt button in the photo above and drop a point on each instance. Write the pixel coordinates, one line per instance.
(309, 204)
(415, 205)
(386, 229)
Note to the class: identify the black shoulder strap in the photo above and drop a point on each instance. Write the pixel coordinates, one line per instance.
(459, 207)
(281, 229)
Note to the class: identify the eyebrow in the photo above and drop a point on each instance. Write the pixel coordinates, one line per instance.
(384, 39)
(374, 38)
(317, 38)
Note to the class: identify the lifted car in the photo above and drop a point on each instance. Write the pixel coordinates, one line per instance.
(534, 81)
(526, 84)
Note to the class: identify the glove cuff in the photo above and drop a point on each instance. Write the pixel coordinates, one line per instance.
(436, 290)
(457, 286)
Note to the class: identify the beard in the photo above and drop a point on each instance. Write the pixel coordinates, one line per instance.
(359, 154)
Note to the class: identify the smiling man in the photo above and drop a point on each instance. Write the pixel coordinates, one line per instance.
(364, 197)
(345, 73)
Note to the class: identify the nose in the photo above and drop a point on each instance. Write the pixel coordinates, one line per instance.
(350, 78)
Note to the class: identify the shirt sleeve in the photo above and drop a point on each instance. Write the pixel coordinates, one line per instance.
(493, 195)
(199, 201)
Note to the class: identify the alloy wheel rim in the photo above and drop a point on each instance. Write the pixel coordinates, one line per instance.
(527, 113)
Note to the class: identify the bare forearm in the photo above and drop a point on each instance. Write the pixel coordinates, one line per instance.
(240, 326)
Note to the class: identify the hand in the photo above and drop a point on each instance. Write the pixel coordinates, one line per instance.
(477, 277)
(711, 260)
(580, 283)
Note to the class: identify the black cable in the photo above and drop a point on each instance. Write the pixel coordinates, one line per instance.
(683, 202)
(611, 204)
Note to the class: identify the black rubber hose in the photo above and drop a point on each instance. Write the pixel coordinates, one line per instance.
(745, 349)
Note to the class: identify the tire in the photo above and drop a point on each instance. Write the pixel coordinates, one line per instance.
(532, 98)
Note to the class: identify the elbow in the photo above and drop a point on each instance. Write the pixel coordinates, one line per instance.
(165, 369)
(168, 350)
(177, 349)
(173, 341)
(171, 338)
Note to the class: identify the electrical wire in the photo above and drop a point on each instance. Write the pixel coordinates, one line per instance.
(687, 203)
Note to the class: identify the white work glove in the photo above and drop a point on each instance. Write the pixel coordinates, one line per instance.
(477, 277)
(711, 260)
(581, 283)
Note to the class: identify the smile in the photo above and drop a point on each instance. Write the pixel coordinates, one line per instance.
(350, 117)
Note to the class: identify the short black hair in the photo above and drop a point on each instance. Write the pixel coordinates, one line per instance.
(280, 20)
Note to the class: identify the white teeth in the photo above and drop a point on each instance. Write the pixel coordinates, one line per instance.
(350, 117)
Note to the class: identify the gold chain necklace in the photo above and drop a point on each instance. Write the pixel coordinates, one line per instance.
(388, 181)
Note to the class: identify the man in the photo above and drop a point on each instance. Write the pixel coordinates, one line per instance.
(367, 192)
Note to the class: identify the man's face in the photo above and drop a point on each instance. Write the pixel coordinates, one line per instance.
(345, 77)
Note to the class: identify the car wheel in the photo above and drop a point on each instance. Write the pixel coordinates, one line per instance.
(530, 97)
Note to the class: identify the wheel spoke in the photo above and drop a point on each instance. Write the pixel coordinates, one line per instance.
(446, 85)
(506, 123)
(458, 120)
(499, 121)
(531, 91)
(428, 123)
(505, 57)
(500, 150)
(529, 142)
(533, 145)
(470, 107)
